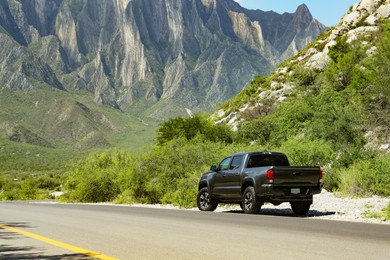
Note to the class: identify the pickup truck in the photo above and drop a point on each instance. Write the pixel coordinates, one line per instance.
(250, 179)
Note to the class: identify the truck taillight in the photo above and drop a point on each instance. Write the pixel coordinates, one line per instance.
(270, 174)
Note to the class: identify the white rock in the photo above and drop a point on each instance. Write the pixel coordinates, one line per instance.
(264, 94)
(234, 126)
(244, 108)
(384, 147)
(318, 61)
(369, 5)
(372, 51)
(274, 85)
(384, 11)
(221, 113)
(283, 70)
(362, 30)
(328, 45)
(351, 18)
(372, 19)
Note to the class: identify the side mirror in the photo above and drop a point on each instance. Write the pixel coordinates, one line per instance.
(213, 168)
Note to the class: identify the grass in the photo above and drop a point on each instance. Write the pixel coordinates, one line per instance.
(383, 214)
(48, 116)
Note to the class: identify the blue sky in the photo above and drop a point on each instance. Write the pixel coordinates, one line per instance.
(328, 12)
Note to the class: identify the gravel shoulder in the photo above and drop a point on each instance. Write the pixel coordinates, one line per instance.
(326, 205)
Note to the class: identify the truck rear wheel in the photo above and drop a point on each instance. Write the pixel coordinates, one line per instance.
(300, 207)
(251, 204)
(205, 201)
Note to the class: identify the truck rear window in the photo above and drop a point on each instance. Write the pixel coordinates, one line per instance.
(262, 160)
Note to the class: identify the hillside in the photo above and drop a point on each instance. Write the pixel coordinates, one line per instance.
(336, 90)
(41, 129)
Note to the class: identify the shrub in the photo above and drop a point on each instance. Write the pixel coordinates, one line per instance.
(189, 128)
(95, 178)
(303, 152)
(169, 171)
(365, 177)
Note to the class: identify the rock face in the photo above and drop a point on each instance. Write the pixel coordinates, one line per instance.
(175, 54)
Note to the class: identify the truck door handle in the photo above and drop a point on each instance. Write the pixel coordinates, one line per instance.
(237, 174)
(296, 173)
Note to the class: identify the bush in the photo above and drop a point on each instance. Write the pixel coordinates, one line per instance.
(95, 178)
(24, 186)
(260, 130)
(189, 128)
(365, 177)
(168, 173)
(303, 152)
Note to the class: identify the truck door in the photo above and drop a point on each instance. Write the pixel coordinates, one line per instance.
(220, 185)
(228, 180)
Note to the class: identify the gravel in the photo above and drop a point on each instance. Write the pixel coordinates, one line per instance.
(326, 205)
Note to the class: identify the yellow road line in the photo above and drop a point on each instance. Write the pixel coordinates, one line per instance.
(59, 244)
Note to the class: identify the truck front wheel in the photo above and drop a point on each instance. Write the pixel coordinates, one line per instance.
(300, 207)
(205, 201)
(251, 204)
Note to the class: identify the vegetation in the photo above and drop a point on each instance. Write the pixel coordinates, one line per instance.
(189, 128)
(24, 186)
(168, 174)
(324, 122)
(383, 214)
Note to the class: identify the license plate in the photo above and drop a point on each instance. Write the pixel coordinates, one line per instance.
(296, 191)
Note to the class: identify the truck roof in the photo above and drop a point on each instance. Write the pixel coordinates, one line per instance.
(259, 152)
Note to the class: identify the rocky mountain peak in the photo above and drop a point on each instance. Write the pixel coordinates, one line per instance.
(303, 13)
(172, 54)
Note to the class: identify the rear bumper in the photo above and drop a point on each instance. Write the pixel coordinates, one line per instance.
(287, 194)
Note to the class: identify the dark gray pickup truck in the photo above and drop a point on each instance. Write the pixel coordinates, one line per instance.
(250, 179)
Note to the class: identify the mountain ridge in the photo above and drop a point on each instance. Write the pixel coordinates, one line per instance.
(67, 64)
(168, 46)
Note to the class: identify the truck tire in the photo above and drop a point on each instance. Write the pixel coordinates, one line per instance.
(300, 207)
(251, 204)
(205, 201)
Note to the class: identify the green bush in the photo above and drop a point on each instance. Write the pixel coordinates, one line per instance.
(95, 178)
(304, 77)
(365, 177)
(189, 128)
(168, 172)
(260, 130)
(28, 186)
(303, 152)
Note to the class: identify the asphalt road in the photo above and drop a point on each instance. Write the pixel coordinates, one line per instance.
(60, 231)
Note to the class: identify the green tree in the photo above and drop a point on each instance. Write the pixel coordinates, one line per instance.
(189, 128)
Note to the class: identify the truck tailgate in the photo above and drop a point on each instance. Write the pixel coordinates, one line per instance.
(295, 176)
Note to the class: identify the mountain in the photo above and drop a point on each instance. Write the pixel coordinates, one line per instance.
(333, 94)
(173, 54)
(85, 74)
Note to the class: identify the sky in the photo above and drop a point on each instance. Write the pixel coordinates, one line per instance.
(328, 12)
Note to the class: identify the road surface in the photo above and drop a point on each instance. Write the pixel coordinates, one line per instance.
(62, 231)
